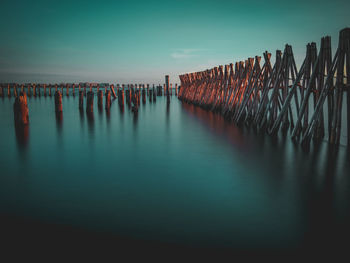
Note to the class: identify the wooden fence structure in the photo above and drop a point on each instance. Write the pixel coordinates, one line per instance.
(280, 97)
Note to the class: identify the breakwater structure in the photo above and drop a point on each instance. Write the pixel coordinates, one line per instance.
(307, 102)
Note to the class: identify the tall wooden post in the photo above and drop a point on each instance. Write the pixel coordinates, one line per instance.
(20, 109)
(38, 91)
(58, 101)
(81, 100)
(108, 99)
(90, 102)
(100, 99)
(112, 90)
(28, 90)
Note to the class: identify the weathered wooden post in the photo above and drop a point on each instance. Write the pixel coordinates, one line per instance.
(90, 87)
(50, 90)
(108, 99)
(34, 90)
(167, 88)
(85, 90)
(150, 95)
(62, 89)
(1, 91)
(22, 88)
(44, 90)
(154, 95)
(176, 89)
(8, 90)
(112, 90)
(144, 95)
(58, 101)
(100, 99)
(20, 109)
(15, 90)
(73, 87)
(121, 101)
(90, 102)
(81, 100)
(28, 90)
(38, 91)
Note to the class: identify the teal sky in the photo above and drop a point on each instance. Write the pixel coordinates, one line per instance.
(141, 41)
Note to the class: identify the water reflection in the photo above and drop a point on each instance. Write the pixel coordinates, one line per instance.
(108, 116)
(22, 136)
(90, 121)
(135, 117)
(59, 122)
(81, 114)
(319, 172)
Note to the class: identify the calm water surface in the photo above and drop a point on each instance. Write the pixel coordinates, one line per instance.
(171, 173)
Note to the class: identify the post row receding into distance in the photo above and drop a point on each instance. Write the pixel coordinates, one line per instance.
(278, 98)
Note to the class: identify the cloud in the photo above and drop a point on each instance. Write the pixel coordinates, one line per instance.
(185, 53)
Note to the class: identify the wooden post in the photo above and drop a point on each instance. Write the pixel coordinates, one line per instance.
(100, 99)
(108, 99)
(44, 90)
(81, 100)
(73, 87)
(28, 90)
(112, 90)
(1, 91)
(154, 95)
(58, 101)
(50, 90)
(90, 102)
(121, 97)
(8, 90)
(34, 90)
(144, 95)
(150, 96)
(38, 90)
(15, 90)
(20, 109)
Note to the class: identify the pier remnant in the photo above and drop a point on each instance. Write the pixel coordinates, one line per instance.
(90, 102)
(58, 101)
(108, 99)
(20, 109)
(81, 100)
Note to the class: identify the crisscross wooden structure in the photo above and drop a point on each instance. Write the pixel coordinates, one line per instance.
(280, 97)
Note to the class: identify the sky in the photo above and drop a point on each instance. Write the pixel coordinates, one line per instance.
(142, 41)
